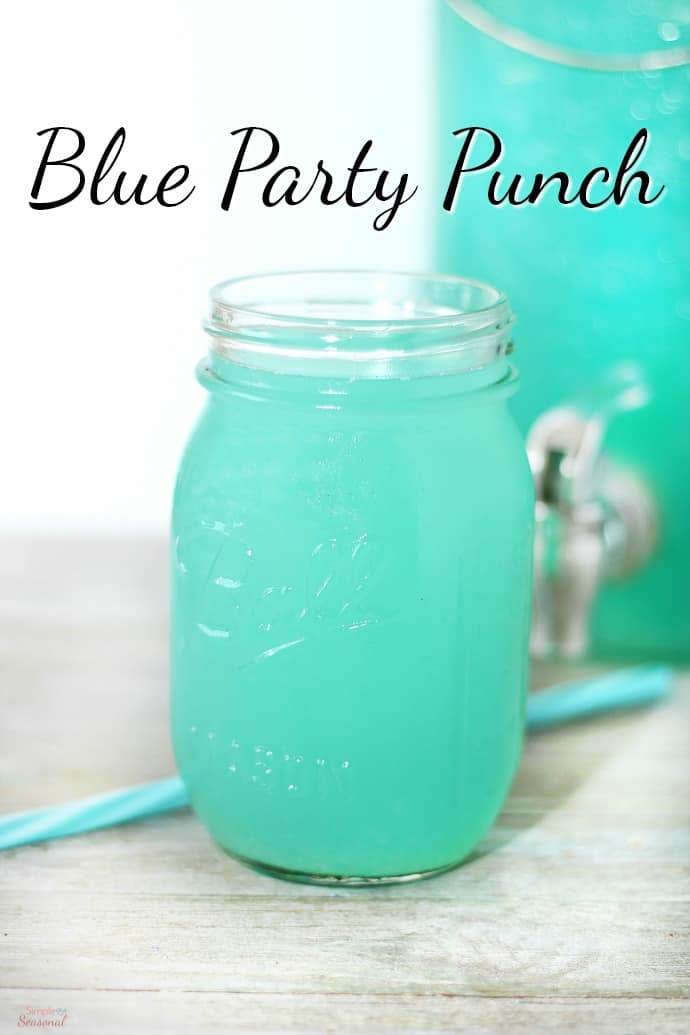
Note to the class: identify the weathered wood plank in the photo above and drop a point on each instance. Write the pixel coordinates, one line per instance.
(110, 1013)
(505, 947)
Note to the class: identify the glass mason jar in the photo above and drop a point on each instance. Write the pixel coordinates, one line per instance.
(351, 568)
(566, 85)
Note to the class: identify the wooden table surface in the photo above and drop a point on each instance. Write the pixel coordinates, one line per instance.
(573, 917)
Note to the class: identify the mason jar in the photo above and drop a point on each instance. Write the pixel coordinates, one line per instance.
(351, 566)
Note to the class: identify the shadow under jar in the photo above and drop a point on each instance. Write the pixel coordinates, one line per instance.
(351, 574)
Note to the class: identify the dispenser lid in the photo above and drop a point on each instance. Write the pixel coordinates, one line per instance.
(606, 35)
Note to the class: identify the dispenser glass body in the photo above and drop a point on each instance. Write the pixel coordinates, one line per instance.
(593, 289)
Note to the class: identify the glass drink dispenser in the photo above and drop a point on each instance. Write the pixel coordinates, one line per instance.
(602, 297)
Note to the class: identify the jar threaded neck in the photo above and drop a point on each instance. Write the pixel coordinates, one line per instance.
(359, 325)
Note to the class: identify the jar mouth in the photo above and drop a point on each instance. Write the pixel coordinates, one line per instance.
(359, 323)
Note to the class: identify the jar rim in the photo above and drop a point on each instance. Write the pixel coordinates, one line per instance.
(369, 323)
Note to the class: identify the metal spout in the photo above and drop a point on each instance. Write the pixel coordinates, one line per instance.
(595, 520)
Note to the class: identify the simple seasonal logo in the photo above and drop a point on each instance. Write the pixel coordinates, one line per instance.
(42, 1017)
(67, 169)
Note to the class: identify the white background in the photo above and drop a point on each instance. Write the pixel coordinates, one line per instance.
(101, 306)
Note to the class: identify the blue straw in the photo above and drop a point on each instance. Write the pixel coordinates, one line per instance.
(614, 691)
(627, 688)
(100, 810)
